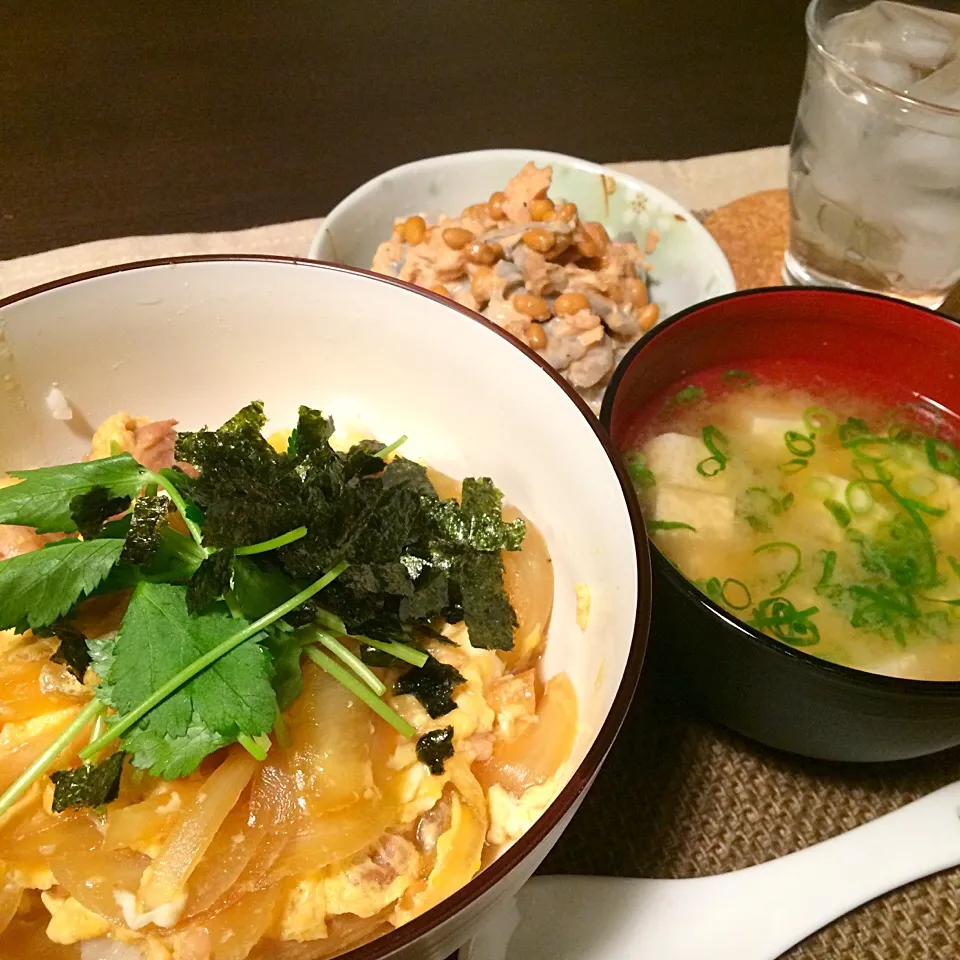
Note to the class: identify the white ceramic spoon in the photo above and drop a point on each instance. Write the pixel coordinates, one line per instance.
(752, 914)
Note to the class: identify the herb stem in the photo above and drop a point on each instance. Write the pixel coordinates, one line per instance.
(49, 757)
(348, 658)
(386, 451)
(257, 747)
(330, 621)
(201, 663)
(291, 536)
(399, 650)
(362, 692)
(174, 494)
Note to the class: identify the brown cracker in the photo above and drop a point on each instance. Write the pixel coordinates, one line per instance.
(753, 232)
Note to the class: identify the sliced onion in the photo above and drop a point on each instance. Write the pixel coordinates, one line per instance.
(329, 754)
(232, 933)
(459, 853)
(541, 748)
(165, 880)
(528, 580)
(11, 893)
(333, 837)
(93, 878)
(226, 858)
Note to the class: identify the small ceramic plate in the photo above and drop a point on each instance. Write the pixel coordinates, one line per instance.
(688, 266)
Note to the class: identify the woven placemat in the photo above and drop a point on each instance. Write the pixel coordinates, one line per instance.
(682, 797)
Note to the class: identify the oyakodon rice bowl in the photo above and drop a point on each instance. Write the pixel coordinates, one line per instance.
(368, 352)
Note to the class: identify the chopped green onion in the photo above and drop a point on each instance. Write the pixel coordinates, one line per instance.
(954, 565)
(799, 444)
(829, 562)
(794, 570)
(669, 525)
(942, 456)
(396, 649)
(123, 724)
(386, 451)
(717, 461)
(852, 429)
(794, 466)
(689, 394)
(747, 599)
(859, 498)
(347, 657)
(819, 487)
(739, 378)
(820, 421)
(839, 512)
(641, 475)
(361, 691)
(92, 711)
(292, 536)
(786, 622)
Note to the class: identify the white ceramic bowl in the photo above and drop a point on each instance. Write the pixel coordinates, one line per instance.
(688, 265)
(197, 338)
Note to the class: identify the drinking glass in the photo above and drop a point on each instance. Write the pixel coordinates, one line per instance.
(875, 154)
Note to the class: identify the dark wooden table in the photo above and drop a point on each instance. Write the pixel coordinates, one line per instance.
(121, 118)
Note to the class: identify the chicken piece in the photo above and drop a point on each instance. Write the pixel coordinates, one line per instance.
(389, 256)
(16, 540)
(593, 366)
(529, 184)
(153, 444)
(514, 698)
(539, 275)
(504, 314)
(433, 262)
(368, 885)
(622, 323)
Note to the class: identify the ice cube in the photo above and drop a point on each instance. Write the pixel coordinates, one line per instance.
(891, 43)
(942, 87)
(911, 35)
(870, 62)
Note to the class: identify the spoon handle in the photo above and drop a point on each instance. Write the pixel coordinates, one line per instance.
(752, 914)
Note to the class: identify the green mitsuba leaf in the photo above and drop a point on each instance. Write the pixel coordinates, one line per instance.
(38, 588)
(44, 500)
(158, 639)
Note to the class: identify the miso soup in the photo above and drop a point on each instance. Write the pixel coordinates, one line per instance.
(819, 508)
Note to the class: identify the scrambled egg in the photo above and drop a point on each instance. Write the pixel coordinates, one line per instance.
(512, 816)
(71, 922)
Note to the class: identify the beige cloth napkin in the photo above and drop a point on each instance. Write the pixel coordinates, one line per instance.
(699, 184)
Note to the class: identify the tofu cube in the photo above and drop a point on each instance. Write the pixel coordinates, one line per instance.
(712, 515)
(673, 459)
(770, 430)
